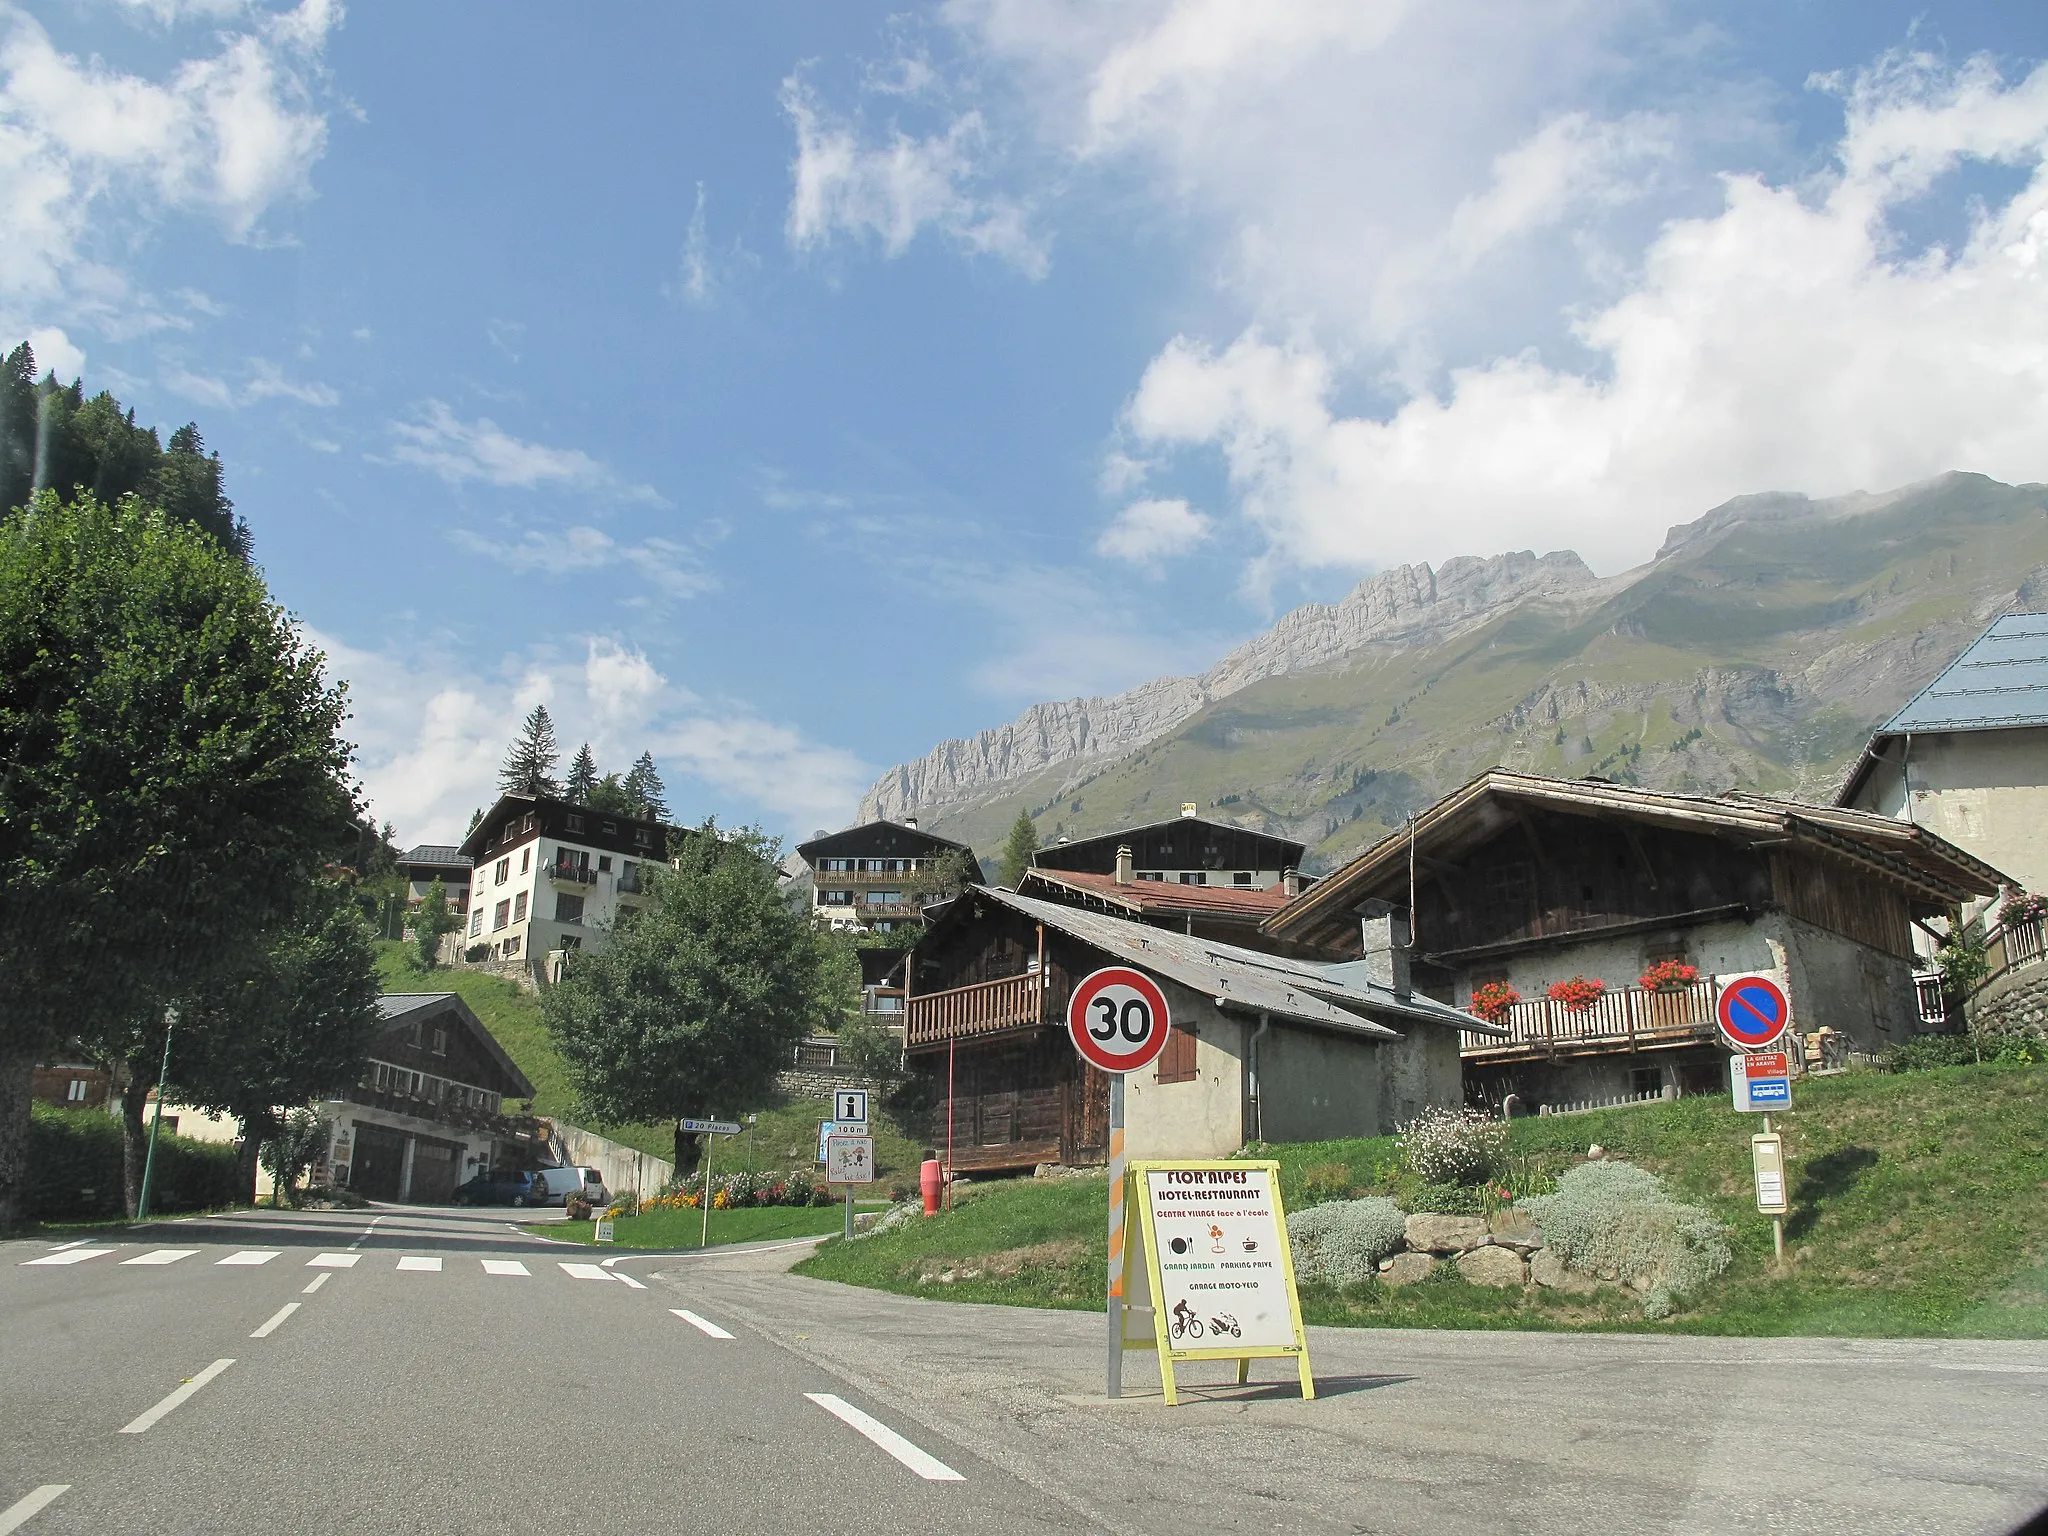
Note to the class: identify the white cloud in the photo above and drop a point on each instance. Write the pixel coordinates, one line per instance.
(83, 146)
(693, 280)
(460, 451)
(267, 382)
(55, 352)
(431, 738)
(1791, 340)
(1147, 532)
(889, 193)
(670, 567)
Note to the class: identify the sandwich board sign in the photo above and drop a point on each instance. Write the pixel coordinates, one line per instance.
(1208, 1274)
(602, 1232)
(1753, 1012)
(1761, 1081)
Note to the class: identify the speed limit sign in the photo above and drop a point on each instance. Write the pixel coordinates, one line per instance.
(1118, 1019)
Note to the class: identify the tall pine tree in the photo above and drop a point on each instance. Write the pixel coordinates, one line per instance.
(582, 776)
(644, 788)
(530, 762)
(1018, 848)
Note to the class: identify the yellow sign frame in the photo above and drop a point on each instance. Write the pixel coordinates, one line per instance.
(1144, 1266)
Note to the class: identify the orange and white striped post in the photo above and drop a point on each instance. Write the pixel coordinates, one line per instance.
(1116, 1235)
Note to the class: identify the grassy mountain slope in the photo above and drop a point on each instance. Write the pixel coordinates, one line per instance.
(1757, 651)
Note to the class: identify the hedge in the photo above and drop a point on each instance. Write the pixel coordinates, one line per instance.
(75, 1168)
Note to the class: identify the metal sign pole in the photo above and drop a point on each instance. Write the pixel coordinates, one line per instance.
(1777, 1222)
(704, 1232)
(1115, 1386)
(849, 1213)
(149, 1160)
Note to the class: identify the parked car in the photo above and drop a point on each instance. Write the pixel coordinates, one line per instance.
(503, 1186)
(594, 1190)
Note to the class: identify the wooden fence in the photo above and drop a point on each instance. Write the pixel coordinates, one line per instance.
(1623, 1016)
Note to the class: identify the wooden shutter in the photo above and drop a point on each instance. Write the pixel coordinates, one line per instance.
(1177, 1061)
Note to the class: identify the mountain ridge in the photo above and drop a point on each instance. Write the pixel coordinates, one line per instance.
(1756, 650)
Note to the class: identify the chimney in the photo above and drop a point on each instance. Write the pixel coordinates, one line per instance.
(1387, 937)
(1123, 864)
(1290, 883)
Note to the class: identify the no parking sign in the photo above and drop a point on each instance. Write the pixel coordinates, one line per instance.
(1753, 1012)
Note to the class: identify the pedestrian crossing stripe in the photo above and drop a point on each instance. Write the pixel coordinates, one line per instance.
(414, 1261)
(251, 1256)
(162, 1256)
(333, 1261)
(506, 1267)
(69, 1256)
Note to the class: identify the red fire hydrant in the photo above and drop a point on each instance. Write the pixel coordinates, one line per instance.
(931, 1179)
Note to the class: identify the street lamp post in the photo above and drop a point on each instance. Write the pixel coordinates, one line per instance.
(163, 1076)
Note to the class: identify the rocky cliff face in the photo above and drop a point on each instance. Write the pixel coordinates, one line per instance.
(1410, 605)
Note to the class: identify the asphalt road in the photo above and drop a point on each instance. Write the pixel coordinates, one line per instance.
(442, 1372)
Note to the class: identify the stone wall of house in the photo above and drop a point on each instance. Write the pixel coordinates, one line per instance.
(2014, 1005)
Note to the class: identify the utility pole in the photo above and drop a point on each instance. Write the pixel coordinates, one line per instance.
(156, 1121)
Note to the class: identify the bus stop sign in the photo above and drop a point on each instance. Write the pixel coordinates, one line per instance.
(1753, 1012)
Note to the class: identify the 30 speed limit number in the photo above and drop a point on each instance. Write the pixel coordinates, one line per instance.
(1118, 1019)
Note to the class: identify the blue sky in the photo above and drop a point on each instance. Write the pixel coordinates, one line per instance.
(784, 389)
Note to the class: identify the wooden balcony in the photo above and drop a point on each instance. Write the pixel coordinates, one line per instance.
(972, 1012)
(1623, 1019)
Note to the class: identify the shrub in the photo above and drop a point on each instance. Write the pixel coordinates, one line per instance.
(1452, 1146)
(1492, 1001)
(1924, 1052)
(1578, 994)
(2023, 907)
(1617, 1221)
(1963, 967)
(1448, 1199)
(1343, 1241)
(75, 1163)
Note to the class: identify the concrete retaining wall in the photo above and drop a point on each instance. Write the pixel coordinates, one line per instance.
(624, 1169)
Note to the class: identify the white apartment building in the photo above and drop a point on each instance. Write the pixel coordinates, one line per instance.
(550, 875)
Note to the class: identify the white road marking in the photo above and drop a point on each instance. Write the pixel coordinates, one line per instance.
(281, 1314)
(366, 1232)
(16, 1515)
(76, 1242)
(701, 1324)
(143, 1422)
(429, 1264)
(505, 1267)
(162, 1256)
(334, 1261)
(923, 1463)
(584, 1271)
(250, 1256)
(68, 1256)
(621, 1276)
(318, 1281)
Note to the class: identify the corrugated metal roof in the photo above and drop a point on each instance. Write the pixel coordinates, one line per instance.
(436, 853)
(1164, 896)
(2000, 681)
(1243, 978)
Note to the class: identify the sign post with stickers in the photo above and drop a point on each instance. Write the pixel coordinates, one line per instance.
(1209, 1262)
(1118, 1021)
(1754, 1015)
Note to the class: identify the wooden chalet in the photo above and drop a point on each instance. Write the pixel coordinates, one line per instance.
(1263, 1048)
(1228, 913)
(1525, 881)
(877, 875)
(1188, 850)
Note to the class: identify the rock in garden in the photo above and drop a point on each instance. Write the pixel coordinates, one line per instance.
(1491, 1265)
(1428, 1233)
(1407, 1268)
(1547, 1269)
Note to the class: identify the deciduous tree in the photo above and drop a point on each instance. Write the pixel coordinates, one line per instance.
(174, 775)
(692, 1007)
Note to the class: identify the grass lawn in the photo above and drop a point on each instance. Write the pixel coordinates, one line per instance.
(680, 1229)
(1920, 1207)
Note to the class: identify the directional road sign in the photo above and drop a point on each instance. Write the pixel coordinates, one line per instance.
(850, 1106)
(1118, 1019)
(711, 1127)
(1753, 1012)
(1761, 1081)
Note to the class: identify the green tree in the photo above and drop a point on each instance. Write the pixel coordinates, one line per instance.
(294, 1146)
(430, 921)
(173, 776)
(582, 776)
(609, 794)
(292, 1024)
(694, 1006)
(644, 790)
(1017, 849)
(529, 767)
